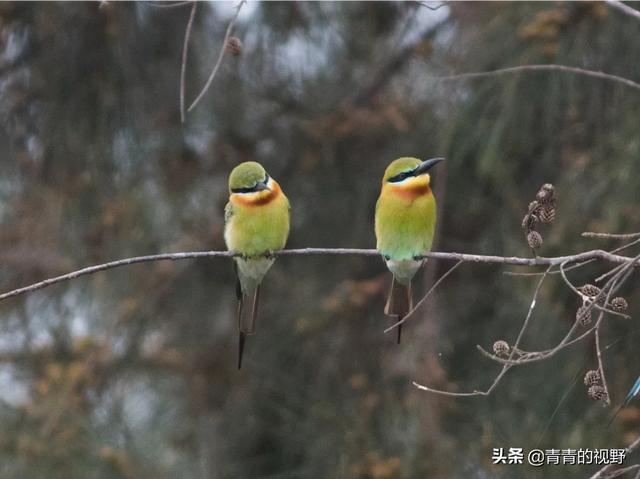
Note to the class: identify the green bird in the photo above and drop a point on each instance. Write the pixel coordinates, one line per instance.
(256, 225)
(405, 224)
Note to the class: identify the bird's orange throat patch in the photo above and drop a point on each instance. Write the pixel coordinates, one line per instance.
(410, 189)
(257, 198)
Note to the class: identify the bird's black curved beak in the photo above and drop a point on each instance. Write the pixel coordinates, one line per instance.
(263, 185)
(426, 166)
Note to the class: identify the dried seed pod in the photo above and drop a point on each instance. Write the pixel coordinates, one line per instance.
(546, 194)
(592, 378)
(589, 290)
(547, 214)
(534, 206)
(619, 304)
(501, 348)
(583, 315)
(541, 196)
(234, 45)
(534, 239)
(529, 222)
(597, 393)
(549, 188)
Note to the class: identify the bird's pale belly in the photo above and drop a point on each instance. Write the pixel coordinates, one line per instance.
(404, 270)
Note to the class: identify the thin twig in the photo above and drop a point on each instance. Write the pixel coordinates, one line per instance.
(505, 367)
(185, 50)
(223, 49)
(610, 287)
(168, 4)
(434, 8)
(463, 257)
(626, 9)
(424, 298)
(623, 471)
(593, 302)
(591, 234)
(540, 67)
(603, 377)
(584, 263)
(602, 473)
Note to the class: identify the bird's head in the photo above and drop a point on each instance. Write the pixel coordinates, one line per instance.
(409, 174)
(251, 184)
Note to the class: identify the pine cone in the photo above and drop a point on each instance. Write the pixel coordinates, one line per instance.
(534, 239)
(589, 290)
(547, 214)
(501, 348)
(619, 304)
(592, 378)
(597, 393)
(534, 206)
(583, 315)
(529, 222)
(546, 194)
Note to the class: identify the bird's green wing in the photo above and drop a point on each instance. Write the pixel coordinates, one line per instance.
(228, 212)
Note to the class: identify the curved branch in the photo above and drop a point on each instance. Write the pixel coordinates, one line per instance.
(541, 67)
(506, 366)
(183, 64)
(461, 257)
(163, 4)
(604, 472)
(223, 49)
(424, 298)
(626, 9)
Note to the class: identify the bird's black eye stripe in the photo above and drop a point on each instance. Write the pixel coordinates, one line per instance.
(252, 188)
(399, 177)
(243, 190)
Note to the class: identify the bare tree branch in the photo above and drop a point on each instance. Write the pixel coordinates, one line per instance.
(604, 472)
(540, 67)
(626, 9)
(435, 7)
(593, 303)
(223, 49)
(562, 270)
(590, 234)
(505, 367)
(461, 257)
(583, 263)
(524, 357)
(183, 66)
(603, 377)
(162, 4)
(424, 298)
(610, 287)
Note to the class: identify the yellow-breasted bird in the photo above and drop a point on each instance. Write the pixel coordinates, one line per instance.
(405, 224)
(256, 225)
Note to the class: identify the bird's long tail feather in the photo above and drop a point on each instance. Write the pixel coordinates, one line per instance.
(399, 303)
(246, 318)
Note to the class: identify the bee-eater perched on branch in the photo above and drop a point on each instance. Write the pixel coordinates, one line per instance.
(256, 224)
(405, 224)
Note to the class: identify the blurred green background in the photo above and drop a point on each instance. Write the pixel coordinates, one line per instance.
(130, 373)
